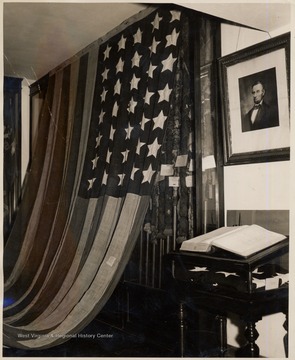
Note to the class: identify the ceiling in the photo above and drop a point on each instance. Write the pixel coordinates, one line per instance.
(40, 36)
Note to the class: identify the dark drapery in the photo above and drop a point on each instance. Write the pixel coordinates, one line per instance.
(97, 155)
(11, 151)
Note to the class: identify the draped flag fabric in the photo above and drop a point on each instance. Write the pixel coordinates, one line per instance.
(89, 186)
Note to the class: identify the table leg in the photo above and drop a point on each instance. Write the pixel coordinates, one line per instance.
(182, 328)
(251, 349)
(222, 334)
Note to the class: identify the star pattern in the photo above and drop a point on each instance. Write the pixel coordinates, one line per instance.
(136, 59)
(154, 45)
(134, 82)
(168, 63)
(107, 52)
(122, 43)
(105, 74)
(120, 66)
(175, 15)
(94, 162)
(101, 115)
(172, 39)
(137, 36)
(136, 72)
(165, 93)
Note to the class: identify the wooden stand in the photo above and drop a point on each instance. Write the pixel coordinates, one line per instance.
(248, 303)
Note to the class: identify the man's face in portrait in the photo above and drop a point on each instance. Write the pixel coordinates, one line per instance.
(258, 93)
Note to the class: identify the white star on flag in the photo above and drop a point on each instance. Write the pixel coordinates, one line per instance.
(134, 170)
(117, 87)
(91, 183)
(115, 109)
(147, 174)
(101, 115)
(139, 146)
(104, 178)
(121, 178)
(125, 154)
(98, 138)
(112, 132)
(103, 95)
(151, 70)
(120, 66)
(153, 148)
(107, 52)
(156, 22)
(154, 45)
(128, 131)
(175, 15)
(136, 59)
(165, 93)
(105, 74)
(168, 63)
(137, 36)
(160, 120)
(148, 96)
(134, 82)
(94, 162)
(122, 43)
(108, 157)
(132, 105)
(172, 39)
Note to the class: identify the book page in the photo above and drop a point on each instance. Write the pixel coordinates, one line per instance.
(203, 242)
(249, 240)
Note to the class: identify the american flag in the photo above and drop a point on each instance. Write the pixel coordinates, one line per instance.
(132, 93)
(77, 246)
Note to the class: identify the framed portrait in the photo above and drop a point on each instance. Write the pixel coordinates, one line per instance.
(255, 101)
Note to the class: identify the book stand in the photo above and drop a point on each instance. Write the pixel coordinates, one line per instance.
(223, 283)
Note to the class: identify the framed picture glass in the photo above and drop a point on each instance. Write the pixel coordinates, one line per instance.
(255, 102)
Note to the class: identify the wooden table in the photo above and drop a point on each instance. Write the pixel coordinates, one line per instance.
(223, 283)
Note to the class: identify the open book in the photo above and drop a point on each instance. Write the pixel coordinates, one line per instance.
(242, 240)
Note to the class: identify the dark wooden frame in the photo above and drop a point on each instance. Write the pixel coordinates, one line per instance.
(228, 66)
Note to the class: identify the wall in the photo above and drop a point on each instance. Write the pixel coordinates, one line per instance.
(261, 186)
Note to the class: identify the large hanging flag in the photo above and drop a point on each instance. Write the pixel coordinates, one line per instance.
(108, 117)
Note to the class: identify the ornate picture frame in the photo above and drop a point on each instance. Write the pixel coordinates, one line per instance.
(258, 75)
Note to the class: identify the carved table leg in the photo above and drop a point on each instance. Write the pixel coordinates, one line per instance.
(182, 328)
(222, 334)
(251, 349)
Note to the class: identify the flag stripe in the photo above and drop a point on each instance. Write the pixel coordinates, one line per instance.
(71, 246)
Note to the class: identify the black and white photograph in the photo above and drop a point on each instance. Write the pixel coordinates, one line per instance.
(147, 188)
(259, 101)
(255, 83)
